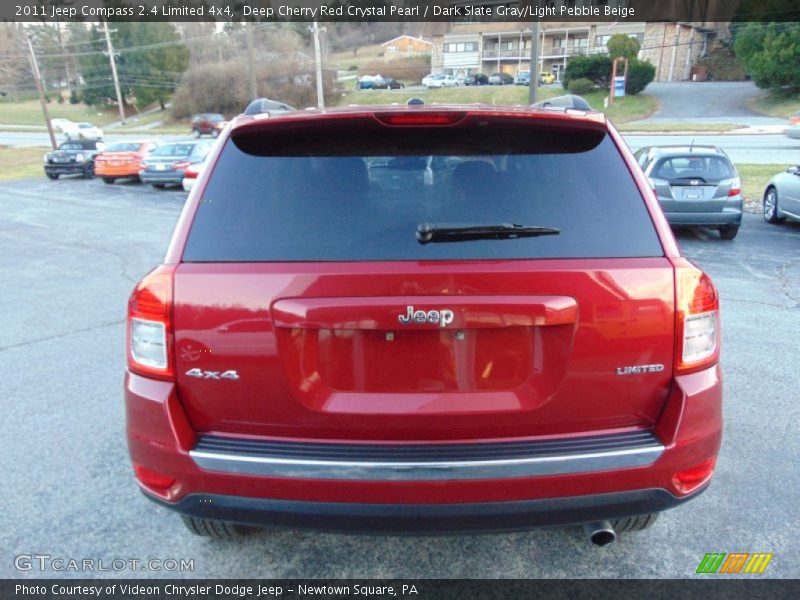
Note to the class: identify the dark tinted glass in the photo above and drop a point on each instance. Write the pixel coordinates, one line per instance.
(173, 150)
(368, 206)
(123, 147)
(711, 169)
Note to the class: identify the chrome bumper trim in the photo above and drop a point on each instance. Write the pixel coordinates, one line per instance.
(428, 470)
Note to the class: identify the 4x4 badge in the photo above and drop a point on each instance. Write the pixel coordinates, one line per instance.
(200, 374)
(443, 318)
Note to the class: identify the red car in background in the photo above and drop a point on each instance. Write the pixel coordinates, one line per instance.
(423, 319)
(122, 159)
(208, 124)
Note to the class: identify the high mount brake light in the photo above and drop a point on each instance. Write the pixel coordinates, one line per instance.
(420, 119)
(149, 327)
(697, 313)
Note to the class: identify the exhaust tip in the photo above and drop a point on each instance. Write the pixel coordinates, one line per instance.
(600, 533)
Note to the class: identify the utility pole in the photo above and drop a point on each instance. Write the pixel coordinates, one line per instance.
(114, 73)
(251, 66)
(40, 88)
(63, 51)
(534, 62)
(318, 60)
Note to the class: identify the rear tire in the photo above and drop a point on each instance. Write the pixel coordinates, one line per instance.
(195, 133)
(635, 523)
(771, 207)
(728, 232)
(216, 529)
(159, 186)
(53, 176)
(108, 180)
(88, 172)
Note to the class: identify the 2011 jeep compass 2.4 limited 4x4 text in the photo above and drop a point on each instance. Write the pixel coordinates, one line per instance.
(412, 319)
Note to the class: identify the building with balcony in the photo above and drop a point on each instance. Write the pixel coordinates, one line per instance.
(489, 47)
(506, 47)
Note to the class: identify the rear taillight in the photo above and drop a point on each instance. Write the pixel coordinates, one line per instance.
(180, 165)
(697, 313)
(149, 331)
(153, 479)
(690, 479)
(794, 120)
(736, 188)
(190, 173)
(421, 119)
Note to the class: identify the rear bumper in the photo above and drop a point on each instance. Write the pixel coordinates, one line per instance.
(426, 462)
(104, 170)
(731, 214)
(66, 169)
(161, 439)
(167, 177)
(409, 519)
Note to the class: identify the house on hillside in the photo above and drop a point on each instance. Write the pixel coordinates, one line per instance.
(406, 45)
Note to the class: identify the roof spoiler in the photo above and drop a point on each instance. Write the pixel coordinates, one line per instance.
(564, 102)
(265, 105)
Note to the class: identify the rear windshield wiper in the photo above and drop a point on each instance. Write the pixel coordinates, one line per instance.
(432, 233)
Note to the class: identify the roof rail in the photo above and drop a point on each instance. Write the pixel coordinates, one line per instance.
(265, 105)
(564, 102)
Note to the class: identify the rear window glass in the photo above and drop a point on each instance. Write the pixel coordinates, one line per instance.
(708, 168)
(362, 196)
(173, 150)
(123, 147)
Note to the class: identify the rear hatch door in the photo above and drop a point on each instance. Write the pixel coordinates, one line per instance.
(305, 306)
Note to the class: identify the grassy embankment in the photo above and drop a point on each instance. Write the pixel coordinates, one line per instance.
(626, 109)
(777, 104)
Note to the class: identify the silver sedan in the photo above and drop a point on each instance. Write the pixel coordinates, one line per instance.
(782, 196)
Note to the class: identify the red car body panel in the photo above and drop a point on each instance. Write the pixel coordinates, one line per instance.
(626, 306)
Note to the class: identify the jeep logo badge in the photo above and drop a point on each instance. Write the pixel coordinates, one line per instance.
(443, 318)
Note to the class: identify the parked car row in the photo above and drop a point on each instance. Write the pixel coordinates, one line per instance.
(523, 78)
(378, 82)
(148, 161)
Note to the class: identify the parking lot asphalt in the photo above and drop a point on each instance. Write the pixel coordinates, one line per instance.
(70, 252)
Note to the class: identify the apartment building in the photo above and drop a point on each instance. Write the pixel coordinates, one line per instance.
(488, 47)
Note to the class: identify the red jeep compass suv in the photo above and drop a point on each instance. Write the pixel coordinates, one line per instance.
(423, 319)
